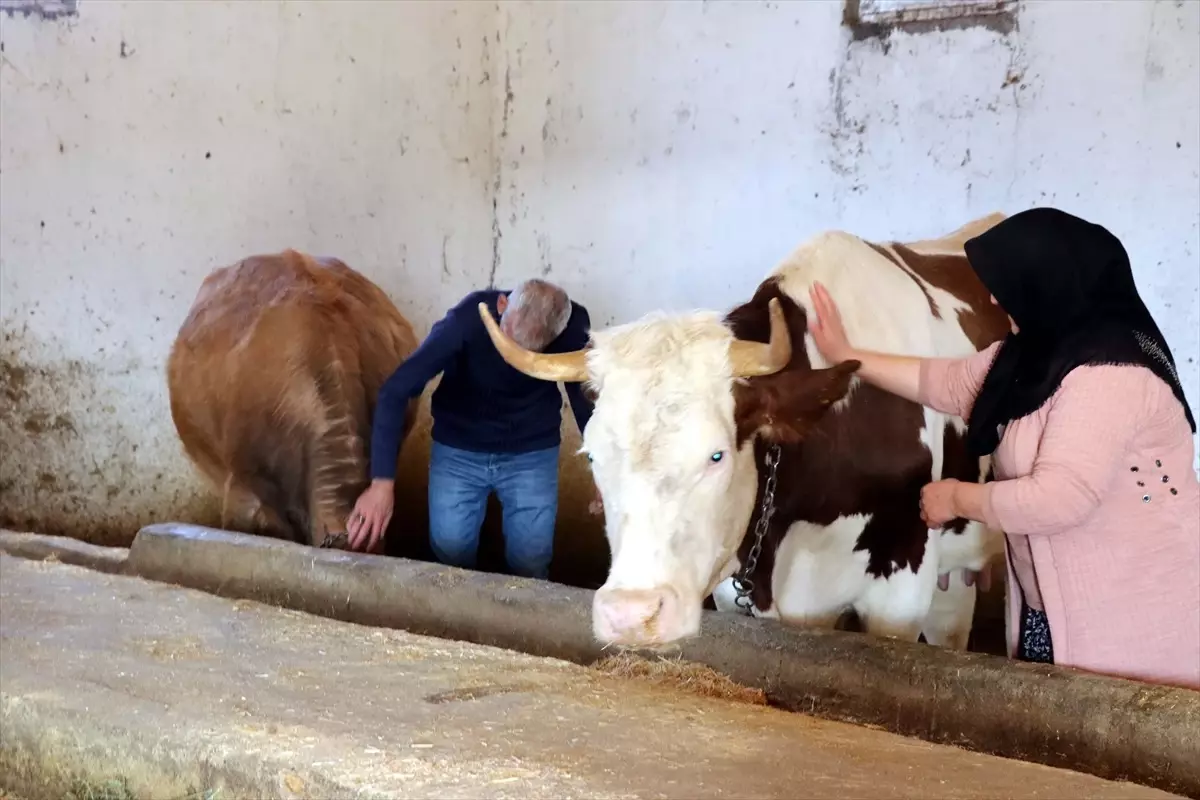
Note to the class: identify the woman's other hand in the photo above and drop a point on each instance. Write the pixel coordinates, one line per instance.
(939, 502)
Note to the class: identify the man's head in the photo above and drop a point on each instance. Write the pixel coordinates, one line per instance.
(534, 313)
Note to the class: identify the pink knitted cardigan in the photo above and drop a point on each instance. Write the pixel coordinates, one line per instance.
(1096, 494)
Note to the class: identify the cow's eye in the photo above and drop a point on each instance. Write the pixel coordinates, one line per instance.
(589, 457)
(717, 456)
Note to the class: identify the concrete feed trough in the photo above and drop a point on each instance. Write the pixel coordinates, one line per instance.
(1111, 728)
(116, 686)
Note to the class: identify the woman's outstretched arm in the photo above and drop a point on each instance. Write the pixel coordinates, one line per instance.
(948, 385)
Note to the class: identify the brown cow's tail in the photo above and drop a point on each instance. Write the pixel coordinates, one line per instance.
(305, 461)
(338, 471)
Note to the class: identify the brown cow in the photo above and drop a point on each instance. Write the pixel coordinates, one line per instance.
(273, 379)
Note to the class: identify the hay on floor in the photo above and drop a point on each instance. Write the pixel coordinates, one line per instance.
(679, 674)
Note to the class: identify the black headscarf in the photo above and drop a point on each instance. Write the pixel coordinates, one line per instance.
(1068, 285)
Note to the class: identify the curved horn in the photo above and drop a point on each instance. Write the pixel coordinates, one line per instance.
(752, 359)
(565, 367)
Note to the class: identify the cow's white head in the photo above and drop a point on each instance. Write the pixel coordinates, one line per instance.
(671, 445)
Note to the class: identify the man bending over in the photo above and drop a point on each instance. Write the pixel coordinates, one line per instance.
(494, 429)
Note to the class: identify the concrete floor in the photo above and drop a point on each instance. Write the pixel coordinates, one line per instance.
(179, 691)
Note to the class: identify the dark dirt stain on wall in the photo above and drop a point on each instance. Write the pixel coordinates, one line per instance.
(84, 453)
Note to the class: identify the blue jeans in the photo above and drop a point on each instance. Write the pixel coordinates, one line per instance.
(526, 485)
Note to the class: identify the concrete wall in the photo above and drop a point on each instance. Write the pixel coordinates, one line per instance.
(643, 155)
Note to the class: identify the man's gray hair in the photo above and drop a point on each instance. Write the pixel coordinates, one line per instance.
(537, 313)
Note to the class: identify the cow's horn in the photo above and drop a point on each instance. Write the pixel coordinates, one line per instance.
(565, 367)
(751, 359)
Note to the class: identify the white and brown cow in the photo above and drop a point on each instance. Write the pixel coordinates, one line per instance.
(691, 410)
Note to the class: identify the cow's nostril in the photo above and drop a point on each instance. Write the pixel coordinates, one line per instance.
(658, 606)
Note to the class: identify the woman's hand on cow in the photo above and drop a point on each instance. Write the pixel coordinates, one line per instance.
(825, 325)
(947, 500)
(371, 515)
(939, 502)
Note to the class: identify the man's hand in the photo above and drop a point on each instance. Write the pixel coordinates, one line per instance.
(371, 515)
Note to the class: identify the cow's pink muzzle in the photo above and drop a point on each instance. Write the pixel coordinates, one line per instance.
(638, 617)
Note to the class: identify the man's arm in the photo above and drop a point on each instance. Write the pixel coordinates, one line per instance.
(408, 381)
(581, 407)
(575, 337)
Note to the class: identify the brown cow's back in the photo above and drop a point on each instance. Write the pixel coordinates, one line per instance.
(273, 380)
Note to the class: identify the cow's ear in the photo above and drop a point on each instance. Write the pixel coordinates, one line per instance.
(800, 406)
(827, 386)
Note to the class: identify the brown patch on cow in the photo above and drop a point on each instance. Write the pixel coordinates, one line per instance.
(273, 380)
(959, 465)
(864, 459)
(985, 323)
(883, 251)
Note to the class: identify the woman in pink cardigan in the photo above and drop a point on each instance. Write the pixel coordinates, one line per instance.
(1091, 438)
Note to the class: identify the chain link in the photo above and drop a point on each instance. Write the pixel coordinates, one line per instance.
(743, 583)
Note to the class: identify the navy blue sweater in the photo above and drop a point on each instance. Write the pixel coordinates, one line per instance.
(482, 404)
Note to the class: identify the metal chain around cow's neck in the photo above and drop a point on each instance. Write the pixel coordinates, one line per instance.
(743, 583)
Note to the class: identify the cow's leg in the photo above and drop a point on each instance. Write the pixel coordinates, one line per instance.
(817, 574)
(268, 462)
(963, 547)
(725, 597)
(236, 506)
(961, 557)
(951, 612)
(243, 512)
(897, 605)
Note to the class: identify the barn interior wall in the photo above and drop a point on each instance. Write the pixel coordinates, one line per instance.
(643, 155)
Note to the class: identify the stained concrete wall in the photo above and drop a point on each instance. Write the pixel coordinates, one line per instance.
(644, 155)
